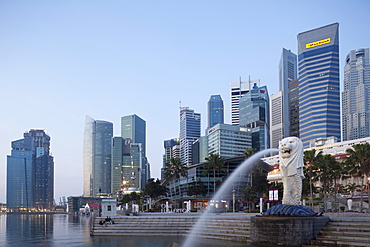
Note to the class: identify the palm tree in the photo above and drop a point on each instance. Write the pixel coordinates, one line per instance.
(215, 165)
(327, 172)
(310, 158)
(352, 187)
(249, 152)
(174, 170)
(359, 163)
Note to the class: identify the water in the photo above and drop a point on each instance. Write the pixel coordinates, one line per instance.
(56, 230)
(192, 240)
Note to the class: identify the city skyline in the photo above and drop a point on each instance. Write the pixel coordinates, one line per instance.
(63, 61)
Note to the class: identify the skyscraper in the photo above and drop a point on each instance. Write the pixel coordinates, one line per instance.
(254, 115)
(319, 99)
(237, 90)
(133, 127)
(97, 156)
(215, 110)
(228, 140)
(293, 108)
(189, 132)
(356, 95)
(30, 172)
(287, 73)
(276, 119)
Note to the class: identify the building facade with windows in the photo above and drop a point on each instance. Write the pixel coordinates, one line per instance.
(215, 110)
(287, 73)
(189, 132)
(134, 127)
(97, 157)
(276, 119)
(356, 95)
(254, 115)
(237, 90)
(228, 140)
(319, 99)
(30, 173)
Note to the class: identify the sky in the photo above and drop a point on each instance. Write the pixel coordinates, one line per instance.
(63, 60)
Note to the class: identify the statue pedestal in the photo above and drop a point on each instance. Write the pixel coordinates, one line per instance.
(285, 230)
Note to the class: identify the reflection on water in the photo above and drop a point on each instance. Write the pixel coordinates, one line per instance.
(56, 230)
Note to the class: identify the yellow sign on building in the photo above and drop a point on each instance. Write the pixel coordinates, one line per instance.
(317, 43)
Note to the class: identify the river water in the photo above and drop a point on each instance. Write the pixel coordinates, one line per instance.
(56, 230)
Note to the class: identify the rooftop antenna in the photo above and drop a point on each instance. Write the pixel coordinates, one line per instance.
(180, 103)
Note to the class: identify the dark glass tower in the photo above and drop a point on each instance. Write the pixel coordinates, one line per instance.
(254, 115)
(215, 110)
(30, 172)
(97, 157)
(319, 99)
(133, 127)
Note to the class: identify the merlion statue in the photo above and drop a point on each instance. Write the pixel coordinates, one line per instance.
(291, 168)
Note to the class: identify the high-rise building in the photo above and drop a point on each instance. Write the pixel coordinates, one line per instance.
(126, 165)
(254, 115)
(237, 90)
(97, 156)
(319, 99)
(287, 73)
(356, 95)
(171, 149)
(276, 119)
(215, 110)
(200, 150)
(189, 132)
(30, 172)
(293, 108)
(228, 140)
(133, 127)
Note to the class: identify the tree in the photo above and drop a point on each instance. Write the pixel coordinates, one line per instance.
(154, 189)
(197, 188)
(358, 163)
(174, 170)
(352, 187)
(249, 152)
(327, 172)
(310, 158)
(130, 198)
(215, 165)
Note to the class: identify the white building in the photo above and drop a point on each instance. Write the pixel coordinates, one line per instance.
(228, 140)
(356, 95)
(276, 119)
(237, 90)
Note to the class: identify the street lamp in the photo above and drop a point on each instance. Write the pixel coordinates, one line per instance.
(233, 201)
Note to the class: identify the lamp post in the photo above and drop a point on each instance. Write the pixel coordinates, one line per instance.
(233, 201)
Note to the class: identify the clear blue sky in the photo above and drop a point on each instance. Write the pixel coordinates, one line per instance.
(63, 60)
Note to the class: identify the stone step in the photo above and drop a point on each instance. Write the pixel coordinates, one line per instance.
(331, 237)
(349, 229)
(337, 243)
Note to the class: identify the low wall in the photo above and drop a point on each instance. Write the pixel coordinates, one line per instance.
(285, 231)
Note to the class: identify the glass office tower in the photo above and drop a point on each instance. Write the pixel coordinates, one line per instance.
(215, 110)
(356, 95)
(133, 127)
(319, 99)
(97, 157)
(30, 173)
(189, 133)
(254, 115)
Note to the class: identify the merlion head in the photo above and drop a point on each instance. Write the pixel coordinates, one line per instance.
(290, 147)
